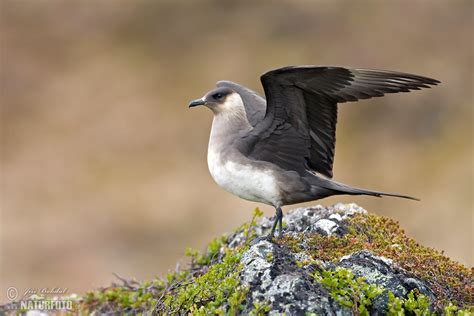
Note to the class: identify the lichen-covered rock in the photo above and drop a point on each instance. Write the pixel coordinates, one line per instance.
(273, 275)
(384, 273)
(336, 260)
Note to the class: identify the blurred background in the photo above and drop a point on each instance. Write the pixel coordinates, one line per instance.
(103, 165)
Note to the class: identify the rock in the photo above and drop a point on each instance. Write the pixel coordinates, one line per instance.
(282, 276)
(272, 275)
(290, 289)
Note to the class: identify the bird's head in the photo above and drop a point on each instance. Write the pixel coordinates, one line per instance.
(220, 100)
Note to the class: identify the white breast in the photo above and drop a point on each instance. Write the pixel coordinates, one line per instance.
(243, 180)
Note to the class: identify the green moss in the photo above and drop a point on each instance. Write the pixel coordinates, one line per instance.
(451, 281)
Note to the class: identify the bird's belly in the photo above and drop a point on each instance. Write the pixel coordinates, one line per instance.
(246, 181)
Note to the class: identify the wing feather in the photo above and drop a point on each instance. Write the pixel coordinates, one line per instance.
(298, 131)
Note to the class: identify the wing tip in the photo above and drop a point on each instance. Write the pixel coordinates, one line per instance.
(398, 75)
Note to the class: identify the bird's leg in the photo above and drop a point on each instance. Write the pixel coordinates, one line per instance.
(278, 221)
(280, 225)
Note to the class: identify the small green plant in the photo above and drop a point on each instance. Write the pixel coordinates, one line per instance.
(418, 304)
(211, 291)
(260, 308)
(129, 296)
(452, 309)
(247, 228)
(212, 252)
(415, 304)
(348, 291)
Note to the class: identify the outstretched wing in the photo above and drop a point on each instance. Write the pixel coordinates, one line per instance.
(255, 105)
(299, 129)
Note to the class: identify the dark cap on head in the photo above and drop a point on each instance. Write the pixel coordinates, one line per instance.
(215, 96)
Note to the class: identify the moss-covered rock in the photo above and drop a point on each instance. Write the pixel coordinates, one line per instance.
(331, 260)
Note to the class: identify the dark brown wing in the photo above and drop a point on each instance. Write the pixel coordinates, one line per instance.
(299, 128)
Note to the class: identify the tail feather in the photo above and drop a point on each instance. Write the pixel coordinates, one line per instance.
(356, 191)
(340, 188)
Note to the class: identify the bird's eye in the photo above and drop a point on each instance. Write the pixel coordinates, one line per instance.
(217, 96)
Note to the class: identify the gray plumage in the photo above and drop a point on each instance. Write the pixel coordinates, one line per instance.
(280, 151)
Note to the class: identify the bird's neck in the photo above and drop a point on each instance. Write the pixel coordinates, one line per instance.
(227, 128)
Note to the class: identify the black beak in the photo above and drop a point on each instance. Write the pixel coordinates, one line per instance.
(197, 102)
